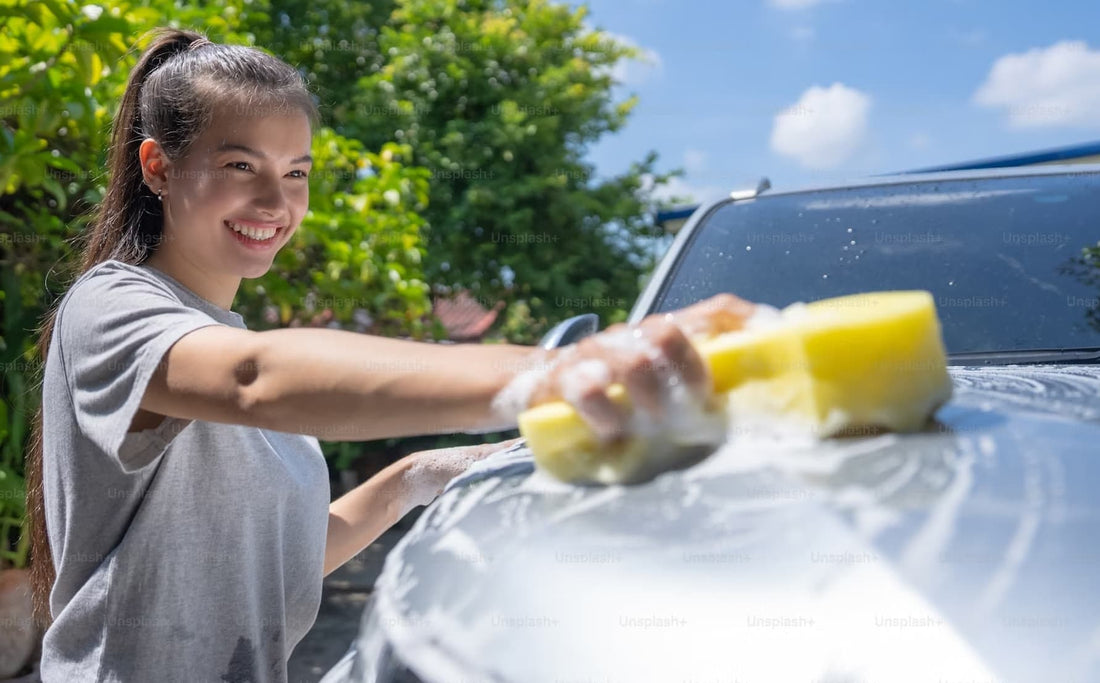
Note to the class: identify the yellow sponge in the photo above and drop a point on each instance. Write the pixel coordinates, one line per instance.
(873, 360)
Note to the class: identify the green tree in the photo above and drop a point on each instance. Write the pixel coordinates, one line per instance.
(340, 45)
(1085, 266)
(500, 100)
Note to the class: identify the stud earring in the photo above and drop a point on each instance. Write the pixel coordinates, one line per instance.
(160, 194)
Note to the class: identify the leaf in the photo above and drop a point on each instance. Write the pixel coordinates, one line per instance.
(102, 28)
(65, 164)
(57, 191)
(90, 65)
(62, 12)
(12, 492)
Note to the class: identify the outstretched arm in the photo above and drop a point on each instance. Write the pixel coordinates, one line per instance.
(345, 386)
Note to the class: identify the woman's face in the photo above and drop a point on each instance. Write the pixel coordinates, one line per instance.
(244, 171)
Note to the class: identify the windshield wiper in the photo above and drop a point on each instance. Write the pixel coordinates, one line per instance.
(1085, 355)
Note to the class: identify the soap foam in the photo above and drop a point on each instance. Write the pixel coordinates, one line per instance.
(763, 317)
(515, 397)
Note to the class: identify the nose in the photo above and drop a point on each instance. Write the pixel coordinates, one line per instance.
(271, 197)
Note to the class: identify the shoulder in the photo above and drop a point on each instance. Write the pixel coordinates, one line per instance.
(113, 297)
(109, 280)
(112, 269)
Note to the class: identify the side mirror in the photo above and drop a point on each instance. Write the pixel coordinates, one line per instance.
(570, 331)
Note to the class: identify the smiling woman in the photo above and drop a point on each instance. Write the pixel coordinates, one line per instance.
(178, 498)
(152, 531)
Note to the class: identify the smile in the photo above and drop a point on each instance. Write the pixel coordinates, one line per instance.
(255, 234)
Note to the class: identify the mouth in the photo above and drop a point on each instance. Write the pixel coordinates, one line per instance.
(254, 234)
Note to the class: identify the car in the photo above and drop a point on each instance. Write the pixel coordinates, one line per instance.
(964, 552)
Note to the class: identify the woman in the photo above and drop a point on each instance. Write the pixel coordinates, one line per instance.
(176, 464)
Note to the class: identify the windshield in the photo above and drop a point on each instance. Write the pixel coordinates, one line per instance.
(1013, 263)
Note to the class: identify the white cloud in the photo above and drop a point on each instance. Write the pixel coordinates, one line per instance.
(793, 4)
(679, 188)
(1054, 86)
(635, 71)
(824, 128)
(695, 160)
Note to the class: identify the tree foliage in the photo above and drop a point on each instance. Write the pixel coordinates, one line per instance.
(499, 100)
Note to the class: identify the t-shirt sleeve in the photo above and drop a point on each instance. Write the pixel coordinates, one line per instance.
(115, 327)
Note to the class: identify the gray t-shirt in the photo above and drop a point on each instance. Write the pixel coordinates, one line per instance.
(190, 552)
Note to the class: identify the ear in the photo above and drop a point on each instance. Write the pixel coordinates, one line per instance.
(154, 164)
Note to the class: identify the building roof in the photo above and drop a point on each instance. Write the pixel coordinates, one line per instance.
(1076, 154)
(463, 316)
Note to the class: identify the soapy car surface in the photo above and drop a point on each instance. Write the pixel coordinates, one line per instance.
(914, 557)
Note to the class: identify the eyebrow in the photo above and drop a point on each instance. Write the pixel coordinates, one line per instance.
(235, 147)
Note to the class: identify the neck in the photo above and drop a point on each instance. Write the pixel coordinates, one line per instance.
(218, 289)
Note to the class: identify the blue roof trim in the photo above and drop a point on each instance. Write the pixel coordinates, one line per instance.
(675, 214)
(1044, 157)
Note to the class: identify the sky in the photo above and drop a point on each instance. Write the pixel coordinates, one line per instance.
(806, 92)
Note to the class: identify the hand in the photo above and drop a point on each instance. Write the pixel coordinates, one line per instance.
(653, 360)
(430, 471)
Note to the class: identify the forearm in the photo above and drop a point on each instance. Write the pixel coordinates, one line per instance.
(359, 517)
(345, 386)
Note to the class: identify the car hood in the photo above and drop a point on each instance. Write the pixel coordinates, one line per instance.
(964, 552)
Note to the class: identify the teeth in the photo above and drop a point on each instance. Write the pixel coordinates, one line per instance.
(255, 233)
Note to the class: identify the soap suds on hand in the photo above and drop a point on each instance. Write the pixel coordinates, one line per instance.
(431, 470)
(514, 398)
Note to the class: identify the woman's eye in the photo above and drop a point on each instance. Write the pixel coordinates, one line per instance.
(245, 166)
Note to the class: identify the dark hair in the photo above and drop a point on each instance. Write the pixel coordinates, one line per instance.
(171, 96)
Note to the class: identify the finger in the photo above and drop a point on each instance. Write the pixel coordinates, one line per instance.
(645, 381)
(727, 312)
(729, 305)
(584, 384)
(605, 417)
(638, 364)
(696, 375)
(684, 361)
(720, 313)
